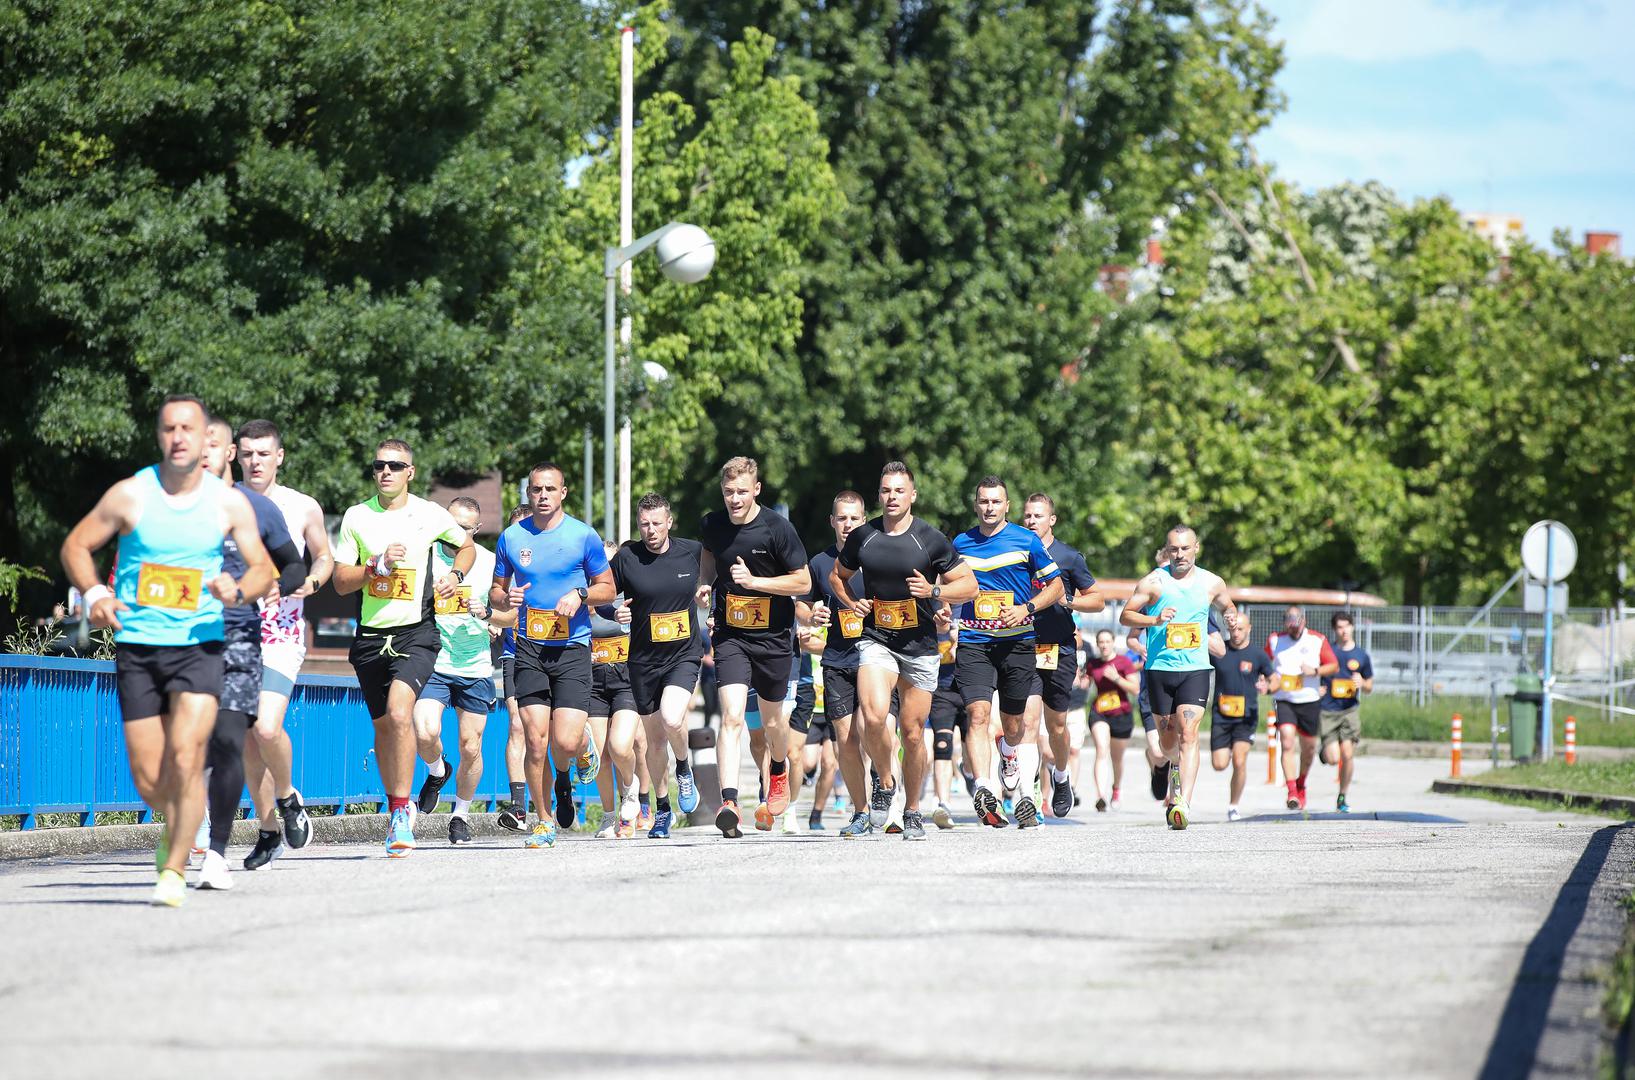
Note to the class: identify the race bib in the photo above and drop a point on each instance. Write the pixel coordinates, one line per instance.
(1230, 704)
(945, 652)
(670, 626)
(545, 624)
(453, 605)
(1111, 701)
(176, 587)
(1290, 683)
(896, 614)
(851, 623)
(1342, 688)
(989, 604)
(398, 585)
(613, 650)
(1047, 657)
(749, 612)
(1183, 635)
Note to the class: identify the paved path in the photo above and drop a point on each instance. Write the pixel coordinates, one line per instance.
(1103, 945)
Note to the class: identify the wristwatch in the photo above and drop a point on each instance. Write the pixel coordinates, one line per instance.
(936, 592)
(583, 592)
(1029, 606)
(240, 599)
(459, 575)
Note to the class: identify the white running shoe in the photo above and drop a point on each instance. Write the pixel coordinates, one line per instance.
(1007, 772)
(790, 825)
(894, 816)
(610, 824)
(1232, 813)
(214, 873)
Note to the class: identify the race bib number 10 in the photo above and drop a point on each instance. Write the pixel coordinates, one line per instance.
(749, 612)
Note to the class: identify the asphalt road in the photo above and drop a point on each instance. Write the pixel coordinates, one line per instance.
(1102, 945)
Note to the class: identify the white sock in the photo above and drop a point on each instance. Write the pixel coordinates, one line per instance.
(1006, 748)
(462, 807)
(1027, 766)
(1058, 775)
(435, 768)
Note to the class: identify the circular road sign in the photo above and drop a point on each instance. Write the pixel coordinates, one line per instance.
(1549, 551)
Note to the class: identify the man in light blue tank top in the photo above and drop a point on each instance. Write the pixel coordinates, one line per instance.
(1172, 605)
(166, 613)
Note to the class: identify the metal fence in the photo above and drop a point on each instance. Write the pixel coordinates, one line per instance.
(1429, 651)
(62, 749)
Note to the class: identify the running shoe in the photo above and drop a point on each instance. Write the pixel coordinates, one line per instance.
(170, 890)
(686, 793)
(987, 808)
(566, 812)
(1008, 771)
(763, 818)
(777, 795)
(810, 776)
(880, 805)
(268, 846)
(1174, 795)
(1076, 800)
(1114, 802)
(623, 829)
(860, 825)
(400, 840)
(1027, 814)
(894, 816)
(913, 825)
(814, 820)
(790, 825)
(1061, 797)
(513, 819)
(213, 872)
(661, 826)
(459, 831)
(1178, 816)
(1101, 806)
(727, 820)
(1342, 806)
(1160, 780)
(1293, 800)
(942, 816)
(644, 818)
(1232, 814)
(631, 808)
(544, 835)
(1300, 795)
(970, 782)
(431, 789)
(161, 850)
(1006, 805)
(589, 763)
(201, 839)
(297, 823)
(609, 825)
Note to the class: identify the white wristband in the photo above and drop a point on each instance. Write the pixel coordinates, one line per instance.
(93, 594)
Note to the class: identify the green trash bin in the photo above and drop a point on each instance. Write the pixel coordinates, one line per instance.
(1526, 706)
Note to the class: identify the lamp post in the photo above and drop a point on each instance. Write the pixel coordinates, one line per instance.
(686, 254)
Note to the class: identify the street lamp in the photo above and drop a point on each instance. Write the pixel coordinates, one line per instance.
(686, 254)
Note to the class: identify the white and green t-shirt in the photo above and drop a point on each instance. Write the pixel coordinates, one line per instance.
(404, 597)
(464, 639)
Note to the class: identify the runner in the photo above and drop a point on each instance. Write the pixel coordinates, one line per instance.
(822, 766)
(1302, 657)
(384, 551)
(613, 717)
(658, 574)
(1157, 763)
(560, 559)
(1172, 604)
(763, 567)
(807, 643)
(1341, 727)
(241, 664)
(1056, 643)
(908, 567)
(165, 609)
(843, 629)
(1241, 674)
(947, 716)
(268, 756)
(462, 678)
(996, 647)
(1114, 680)
(514, 816)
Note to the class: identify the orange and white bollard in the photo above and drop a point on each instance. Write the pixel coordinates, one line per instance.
(1458, 742)
(1271, 748)
(1570, 740)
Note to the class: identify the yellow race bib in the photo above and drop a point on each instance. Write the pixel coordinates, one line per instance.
(851, 623)
(1290, 683)
(989, 604)
(545, 624)
(1342, 688)
(1183, 635)
(1047, 657)
(453, 605)
(176, 587)
(398, 585)
(669, 627)
(613, 650)
(1111, 701)
(1230, 704)
(749, 612)
(896, 614)
(945, 652)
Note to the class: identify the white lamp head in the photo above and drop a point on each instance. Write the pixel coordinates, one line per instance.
(686, 254)
(655, 373)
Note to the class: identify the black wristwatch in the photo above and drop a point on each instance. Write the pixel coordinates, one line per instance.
(459, 575)
(936, 592)
(1029, 606)
(583, 592)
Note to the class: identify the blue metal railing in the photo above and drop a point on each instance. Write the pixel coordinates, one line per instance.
(62, 749)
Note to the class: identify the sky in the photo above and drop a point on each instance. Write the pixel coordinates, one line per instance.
(1517, 107)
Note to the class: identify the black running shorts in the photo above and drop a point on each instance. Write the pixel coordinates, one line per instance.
(406, 654)
(1056, 684)
(981, 667)
(800, 717)
(760, 663)
(648, 680)
(555, 676)
(146, 675)
(1172, 689)
(610, 689)
(839, 691)
(1305, 715)
(1226, 730)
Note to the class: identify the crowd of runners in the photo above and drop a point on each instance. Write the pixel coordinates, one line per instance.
(927, 651)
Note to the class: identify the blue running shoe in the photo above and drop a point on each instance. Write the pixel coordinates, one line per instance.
(589, 763)
(686, 793)
(400, 839)
(661, 826)
(543, 836)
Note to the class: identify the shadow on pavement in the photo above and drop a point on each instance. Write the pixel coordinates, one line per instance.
(1376, 815)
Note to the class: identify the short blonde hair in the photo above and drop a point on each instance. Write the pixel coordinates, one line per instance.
(738, 466)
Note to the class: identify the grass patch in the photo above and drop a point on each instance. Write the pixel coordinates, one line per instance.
(1619, 1000)
(1591, 777)
(1549, 805)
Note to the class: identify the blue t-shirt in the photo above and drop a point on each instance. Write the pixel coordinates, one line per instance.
(1354, 665)
(551, 563)
(1006, 565)
(269, 521)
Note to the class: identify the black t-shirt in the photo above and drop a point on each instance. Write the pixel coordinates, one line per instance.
(899, 621)
(770, 547)
(1235, 676)
(661, 588)
(840, 642)
(1054, 625)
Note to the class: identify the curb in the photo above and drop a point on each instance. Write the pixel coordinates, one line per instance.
(1618, 804)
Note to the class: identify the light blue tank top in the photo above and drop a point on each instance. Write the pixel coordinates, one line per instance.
(1183, 643)
(166, 565)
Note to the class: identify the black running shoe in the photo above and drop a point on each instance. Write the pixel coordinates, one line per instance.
(987, 808)
(513, 819)
(913, 825)
(880, 805)
(432, 789)
(1061, 797)
(1160, 781)
(268, 846)
(297, 825)
(814, 821)
(566, 812)
(458, 831)
(970, 782)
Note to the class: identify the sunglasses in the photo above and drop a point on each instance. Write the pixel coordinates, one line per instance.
(395, 466)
